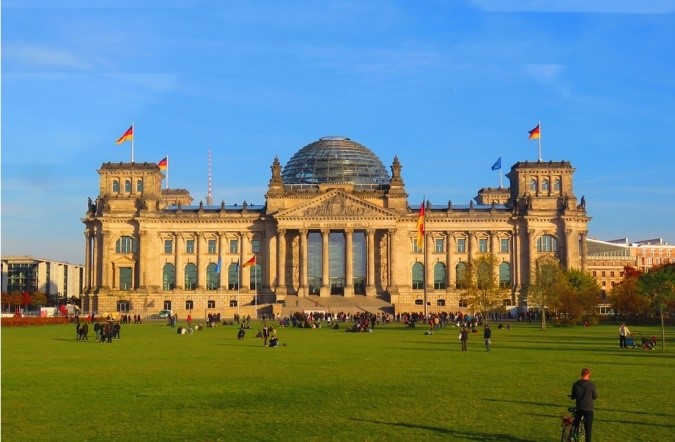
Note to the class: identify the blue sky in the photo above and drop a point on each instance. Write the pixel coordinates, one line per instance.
(447, 86)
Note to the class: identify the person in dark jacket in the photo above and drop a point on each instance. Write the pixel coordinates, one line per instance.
(487, 334)
(585, 394)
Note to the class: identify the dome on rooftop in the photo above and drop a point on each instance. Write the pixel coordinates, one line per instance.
(335, 160)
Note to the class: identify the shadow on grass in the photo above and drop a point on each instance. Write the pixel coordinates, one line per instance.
(601, 409)
(460, 435)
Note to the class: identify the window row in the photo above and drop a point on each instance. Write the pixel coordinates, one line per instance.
(128, 244)
(212, 277)
(545, 185)
(441, 277)
(127, 186)
(461, 245)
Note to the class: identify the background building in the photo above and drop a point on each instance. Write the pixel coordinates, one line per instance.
(57, 280)
(336, 230)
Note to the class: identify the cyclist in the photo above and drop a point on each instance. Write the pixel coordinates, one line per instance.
(585, 394)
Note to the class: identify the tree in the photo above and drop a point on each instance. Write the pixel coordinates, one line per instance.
(658, 286)
(480, 285)
(625, 296)
(586, 289)
(39, 299)
(549, 284)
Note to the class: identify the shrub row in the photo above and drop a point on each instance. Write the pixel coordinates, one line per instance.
(31, 321)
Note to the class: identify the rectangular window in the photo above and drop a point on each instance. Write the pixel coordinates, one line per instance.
(461, 245)
(483, 245)
(440, 245)
(234, 246)
(188, 305)
(504, 245)
(190, 246)
(168, 246)
(211, 304)
(255, 246)
(211, 246)
(462, 302)
(415, 249)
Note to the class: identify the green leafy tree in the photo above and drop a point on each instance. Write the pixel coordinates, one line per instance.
(481, 287)
(548, 286)
(39, 299)
(586, 290)
(625, 296)
(658, 286)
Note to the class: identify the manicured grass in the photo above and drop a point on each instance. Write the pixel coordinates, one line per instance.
(393, 384)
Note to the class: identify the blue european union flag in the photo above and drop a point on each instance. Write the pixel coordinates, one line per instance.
(498, 164)
(218, 266)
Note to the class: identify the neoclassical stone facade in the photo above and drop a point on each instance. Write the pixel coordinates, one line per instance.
(334, 224)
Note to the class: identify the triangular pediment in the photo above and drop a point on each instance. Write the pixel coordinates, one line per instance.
(123, 261)
(336, 205)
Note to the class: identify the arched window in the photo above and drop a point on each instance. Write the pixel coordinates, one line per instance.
(139, 186)
(547, 243)
(125, 244)
(256, 277)
(168, 277)
(190, 276)
(232, 277)
(127, 186)
(544, 185)
(417, 276)
(460, 272)
(504, 275)
(116, 186)
(212, 277)
(557, 185)
(439, 276)
(533, 185)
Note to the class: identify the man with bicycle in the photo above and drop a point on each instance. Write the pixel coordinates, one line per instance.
(585, 394)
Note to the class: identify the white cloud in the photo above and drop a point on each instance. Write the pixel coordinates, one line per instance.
(25, 56)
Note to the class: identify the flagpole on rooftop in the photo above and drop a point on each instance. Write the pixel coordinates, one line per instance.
(539, 139)
(167, 171)
(424, 245)
(133, 135)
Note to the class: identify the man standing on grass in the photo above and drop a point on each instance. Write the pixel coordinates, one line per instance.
(464, 337)
(585, 394)
(487, 334)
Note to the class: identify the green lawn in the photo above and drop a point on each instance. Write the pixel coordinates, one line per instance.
(393, 384)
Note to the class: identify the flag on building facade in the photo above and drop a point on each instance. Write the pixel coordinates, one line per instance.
(534, 133)
(420, 227)
(163, 163)
(498, 164)
(250, 262)
(127, 136)
(218, 265)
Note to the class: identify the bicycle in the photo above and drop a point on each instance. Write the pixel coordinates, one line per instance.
(569, 431)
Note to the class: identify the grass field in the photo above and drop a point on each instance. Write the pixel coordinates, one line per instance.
(393, 384)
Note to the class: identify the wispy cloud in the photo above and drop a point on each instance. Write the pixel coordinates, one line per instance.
(22, 56)
(578, 6)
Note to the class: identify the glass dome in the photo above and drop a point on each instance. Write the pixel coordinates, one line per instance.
(335, 160)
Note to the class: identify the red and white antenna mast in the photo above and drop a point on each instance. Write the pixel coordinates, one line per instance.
(209, 196)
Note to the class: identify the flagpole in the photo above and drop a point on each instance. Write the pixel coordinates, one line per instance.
(238, 287)
(167, 171)
(500, 177)
(255, 286)
(539, 139)
(424, 245)
(133, 136)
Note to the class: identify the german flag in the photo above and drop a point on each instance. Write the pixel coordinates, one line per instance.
(128, 135)
(250, 262)
(163, 163)
(420, 227)
(534, 133)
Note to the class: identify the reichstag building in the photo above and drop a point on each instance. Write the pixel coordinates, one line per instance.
(336, 225)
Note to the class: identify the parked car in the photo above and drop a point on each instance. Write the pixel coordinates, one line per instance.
(164, 314)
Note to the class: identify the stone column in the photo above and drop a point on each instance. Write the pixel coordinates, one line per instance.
(106, 265)
(569, 239)
(143, 247)
(532, 248)
(584, 251)
(449, 268)
(200, 261)
(87, 260)
(473, 246)
(97, 264)
(516, 257)
(223, 266)
(244, 272)
(180, 270)
(281, 261)
(391, 256)
(428, 264)
(325, 263)
(303, 265)
(349, 263)
(370, 265)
